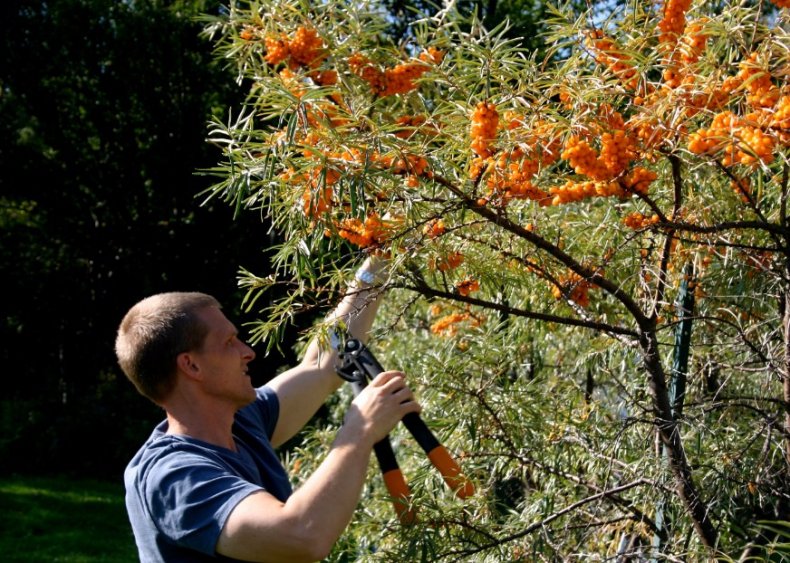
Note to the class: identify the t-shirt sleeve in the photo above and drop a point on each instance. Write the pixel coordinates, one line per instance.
(190, 498)
(267, 409)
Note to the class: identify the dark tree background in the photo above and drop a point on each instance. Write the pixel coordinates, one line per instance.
(525, 18)
(104, 108)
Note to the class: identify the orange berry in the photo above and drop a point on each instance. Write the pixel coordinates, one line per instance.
(467, 286)
(434, 229)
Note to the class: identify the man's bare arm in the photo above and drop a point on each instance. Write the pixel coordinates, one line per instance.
(307, 525)
(302, 389)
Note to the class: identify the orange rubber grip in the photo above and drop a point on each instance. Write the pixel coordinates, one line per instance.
(451, 471)
(401, 495)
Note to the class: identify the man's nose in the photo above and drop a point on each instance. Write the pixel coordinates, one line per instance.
(249, 353)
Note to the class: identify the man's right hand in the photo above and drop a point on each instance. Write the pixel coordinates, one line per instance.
(380, 406)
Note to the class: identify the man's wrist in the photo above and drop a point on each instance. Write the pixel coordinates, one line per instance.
(366, 276)
(372, 271)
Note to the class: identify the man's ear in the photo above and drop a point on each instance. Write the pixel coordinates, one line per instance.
(188, 365)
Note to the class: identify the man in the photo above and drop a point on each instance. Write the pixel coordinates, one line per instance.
(207, 483)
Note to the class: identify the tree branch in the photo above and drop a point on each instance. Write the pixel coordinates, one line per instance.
(553, 250)
(549, 519)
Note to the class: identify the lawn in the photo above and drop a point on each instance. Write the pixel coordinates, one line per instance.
(51, 519)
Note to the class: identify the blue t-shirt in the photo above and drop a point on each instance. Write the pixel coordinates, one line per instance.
(180, 491)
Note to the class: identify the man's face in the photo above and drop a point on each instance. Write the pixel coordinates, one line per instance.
(224, 359)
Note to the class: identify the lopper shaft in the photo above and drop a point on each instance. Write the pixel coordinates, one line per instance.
(360, 365)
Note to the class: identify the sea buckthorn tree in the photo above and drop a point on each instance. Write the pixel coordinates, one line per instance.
(588, 262)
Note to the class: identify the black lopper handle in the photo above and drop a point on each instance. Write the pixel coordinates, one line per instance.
(437, 453)
(398, 489)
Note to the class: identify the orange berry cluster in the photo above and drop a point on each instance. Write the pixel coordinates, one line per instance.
(577, 191)
(434, 229)
(330, 165)
(432, 55)
(618, 146)
(467, 286)
(447, 263)
(618, 149)
(610, 55)
(305, 49)
(638, 221)
(644, 127)
(317, 194)
(448, 325)
(755, 146)
(755, 78)
(690, 45)
(365, 69)
(485, 122)
(565, 98)
(694, 41)
(575, 287)
(409, 165)
(399, 79)
(316, 202)
(637, 181)
(740, 140)
(509, 176)
(687, 99)
(780, 120)
(372, 231)
(673, 21)
(276, 49)
(324, 77)
(675, 76)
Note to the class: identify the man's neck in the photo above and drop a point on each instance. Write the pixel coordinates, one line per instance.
(209, 426)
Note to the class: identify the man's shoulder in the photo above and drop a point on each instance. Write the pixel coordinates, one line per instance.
(262, 413)
(166, 454)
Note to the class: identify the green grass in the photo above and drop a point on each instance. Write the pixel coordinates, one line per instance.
(43, 520)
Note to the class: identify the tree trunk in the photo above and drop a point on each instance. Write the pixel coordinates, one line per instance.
(670, 437)
(679, 375)
(786, 371)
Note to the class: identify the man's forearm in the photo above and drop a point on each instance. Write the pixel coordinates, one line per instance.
(327, 500)
(304, 388)
(307, 525)
(357, 311)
